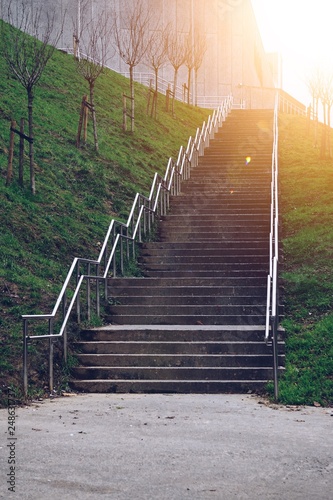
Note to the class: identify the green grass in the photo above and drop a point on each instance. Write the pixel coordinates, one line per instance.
(78, 192)
(306, 206)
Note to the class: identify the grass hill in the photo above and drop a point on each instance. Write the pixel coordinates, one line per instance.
(78, 192)
(306, 218)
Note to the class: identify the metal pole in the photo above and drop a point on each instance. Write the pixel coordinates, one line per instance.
(25, 357)
(275, 358)
(64, 304)
(51, 355)
(88, 295)
(98, 307)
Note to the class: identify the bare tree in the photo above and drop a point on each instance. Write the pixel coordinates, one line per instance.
(326, 97)
(314, 84)
(176, 54)
(92, 37)
(131, 32)
(200, 48)
(27, 48)
(189, 61)
(157, 55)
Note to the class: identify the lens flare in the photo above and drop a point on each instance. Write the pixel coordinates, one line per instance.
(247, 160)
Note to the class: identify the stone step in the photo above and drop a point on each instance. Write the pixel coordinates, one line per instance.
(214, 236)
(173, 373)
(182, 300)
(217, 222)
(118, 334)
(189, 281)
(190, 309)
(187, 291)
(169, 386)
(223, 254)
(202, 260)
(170, 350)
(186, 319)
(176, 360)
(205, 268)
(227, 274)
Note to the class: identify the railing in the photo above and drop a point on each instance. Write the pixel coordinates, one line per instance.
(77, 294)
(272, 313)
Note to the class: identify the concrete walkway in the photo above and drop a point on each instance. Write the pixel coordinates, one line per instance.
(167, 447)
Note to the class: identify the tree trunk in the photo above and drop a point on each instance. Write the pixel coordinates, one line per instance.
(31, 143)
(132, 97)
(175, 76)
(93, 112)
(11, 154)
(188, 85)
(155, 93)
(21, 158)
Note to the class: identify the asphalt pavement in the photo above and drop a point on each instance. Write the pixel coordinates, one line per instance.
(165, 447)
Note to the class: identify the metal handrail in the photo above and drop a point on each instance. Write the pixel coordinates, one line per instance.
(112, 255)
(272, 304)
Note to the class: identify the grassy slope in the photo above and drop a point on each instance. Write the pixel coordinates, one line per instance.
(306, 205)
(78, 192)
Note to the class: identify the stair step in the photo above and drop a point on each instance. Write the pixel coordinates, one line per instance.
(172, 373)
(175, 360)
(183, 300)
(192, 281)
(195, 292)
(169, 386)
(228, 275)
(172, 349)
(175, 333)
(186, 319)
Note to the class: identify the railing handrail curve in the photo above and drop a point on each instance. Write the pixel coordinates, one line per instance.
(272, 306)
(142, 204)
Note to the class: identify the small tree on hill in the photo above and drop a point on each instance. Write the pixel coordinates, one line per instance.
(93, 36)
(200, 48)
(176, 54)
(157, 55)
(27, 48)
(131, 33)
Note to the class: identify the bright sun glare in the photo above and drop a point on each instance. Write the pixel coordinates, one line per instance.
(301, 31)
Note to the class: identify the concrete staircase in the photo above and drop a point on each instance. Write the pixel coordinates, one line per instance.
(195, 322)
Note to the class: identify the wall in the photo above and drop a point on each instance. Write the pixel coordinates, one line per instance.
(235, 61)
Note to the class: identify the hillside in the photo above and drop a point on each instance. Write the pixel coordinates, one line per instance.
(306, 216)
(77, 191)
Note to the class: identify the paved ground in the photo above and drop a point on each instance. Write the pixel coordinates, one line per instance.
(167, 447)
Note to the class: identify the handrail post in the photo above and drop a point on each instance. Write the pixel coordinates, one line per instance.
(64, 305)
(78, 305)
(98, 306)
(25, 357)
(51, 349)
(114, 255)
(121, 251)
(88, 294)
(275, 357)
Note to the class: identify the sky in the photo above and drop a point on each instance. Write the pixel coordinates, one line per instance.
(301, 31)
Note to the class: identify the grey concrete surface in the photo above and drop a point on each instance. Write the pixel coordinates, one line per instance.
(164, 447)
